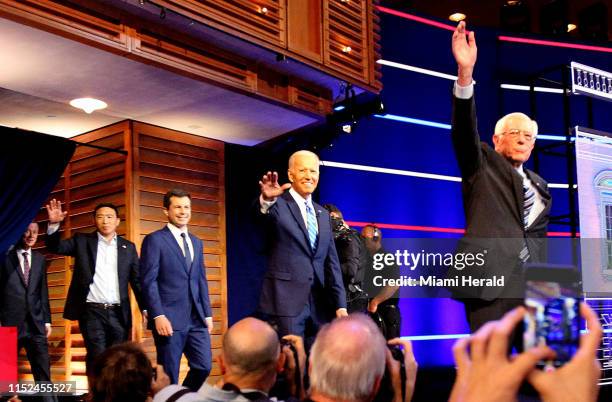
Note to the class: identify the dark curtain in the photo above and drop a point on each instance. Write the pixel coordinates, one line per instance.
(30, 165)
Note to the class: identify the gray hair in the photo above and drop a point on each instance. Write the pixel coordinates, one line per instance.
(303, 152)
(347, 359)
(500, 126)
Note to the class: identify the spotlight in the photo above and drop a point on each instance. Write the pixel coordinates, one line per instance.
(162, 13)
(456, 17)
(281, 58)
(141, 2)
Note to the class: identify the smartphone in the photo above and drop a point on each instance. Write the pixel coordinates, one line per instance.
(553, 295)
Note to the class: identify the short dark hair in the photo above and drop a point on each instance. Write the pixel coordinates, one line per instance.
(175, 192)
(332, 208)
(122, 372)
(106, 205)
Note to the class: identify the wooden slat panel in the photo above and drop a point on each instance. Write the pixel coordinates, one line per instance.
(180, 176)
(174, 161)
(179, 148)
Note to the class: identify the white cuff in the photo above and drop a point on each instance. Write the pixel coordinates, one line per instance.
(463, 92)
(265, 205)
(52, 228)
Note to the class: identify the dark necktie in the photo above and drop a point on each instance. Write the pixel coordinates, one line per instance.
(529, 200)
(188, 259)
(26, 268)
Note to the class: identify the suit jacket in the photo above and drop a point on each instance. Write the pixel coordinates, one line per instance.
(293, 267)
(17, 300)
(169, 286)
(84, 248)
(493, 202)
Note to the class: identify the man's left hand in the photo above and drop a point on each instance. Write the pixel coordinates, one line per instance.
(341, 312)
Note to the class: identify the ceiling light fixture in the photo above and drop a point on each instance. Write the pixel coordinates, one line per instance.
(571, 27)
(456, 17)
(88, 105)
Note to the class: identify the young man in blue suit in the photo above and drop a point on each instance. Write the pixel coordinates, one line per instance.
(175, 291)
(302, 286)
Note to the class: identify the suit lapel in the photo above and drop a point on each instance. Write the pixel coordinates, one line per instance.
(519, 196)
(169, 237)
(540, 187)
(297, 215)
(15, 263)
(92, 247)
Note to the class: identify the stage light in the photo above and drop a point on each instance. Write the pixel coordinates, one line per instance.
(456, 17)
(88, 105)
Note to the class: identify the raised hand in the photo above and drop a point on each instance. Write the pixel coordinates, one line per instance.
(54, 210)
(465, 53)
(270, 189)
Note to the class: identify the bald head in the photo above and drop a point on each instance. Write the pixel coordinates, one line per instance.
(347, 359)
(250, 346)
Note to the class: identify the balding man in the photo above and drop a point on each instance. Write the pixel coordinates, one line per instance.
(348, 360)
(302, 287)
(250, 360)
(506, 206)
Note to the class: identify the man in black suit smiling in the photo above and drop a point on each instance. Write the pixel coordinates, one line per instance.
(24, 301)
(104, 265)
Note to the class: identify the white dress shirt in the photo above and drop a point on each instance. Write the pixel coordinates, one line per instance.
(105, 285)
(176, 232)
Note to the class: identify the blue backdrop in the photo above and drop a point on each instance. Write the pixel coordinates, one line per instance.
(365, 196)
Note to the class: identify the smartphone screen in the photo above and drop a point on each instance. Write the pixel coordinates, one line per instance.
(552, 318)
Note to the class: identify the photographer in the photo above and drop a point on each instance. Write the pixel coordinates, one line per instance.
(250, 361)
(348, 361)
(352, 255)
(384, 305)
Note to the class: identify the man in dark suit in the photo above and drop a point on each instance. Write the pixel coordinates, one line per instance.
(506, 206)
(302, 286)
(104, 264)
(24, 301)
(175, 291)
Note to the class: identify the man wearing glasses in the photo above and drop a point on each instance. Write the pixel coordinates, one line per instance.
(506, 205)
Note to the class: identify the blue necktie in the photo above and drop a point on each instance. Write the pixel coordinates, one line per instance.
(311, 219)
(188, 259)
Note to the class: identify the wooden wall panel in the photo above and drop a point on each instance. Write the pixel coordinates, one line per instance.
(153, 161)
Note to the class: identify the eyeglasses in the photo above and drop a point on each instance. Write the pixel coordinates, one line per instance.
(516, 133)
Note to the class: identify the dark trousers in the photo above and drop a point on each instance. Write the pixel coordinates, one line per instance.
(37, 350)
(194, 341)
(392, 318)
(306, 324)
(101, 328)
(479, 312)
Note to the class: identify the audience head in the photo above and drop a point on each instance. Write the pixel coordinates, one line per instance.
(333, 210)
(347, 359)
(121, 373)
(251, 352)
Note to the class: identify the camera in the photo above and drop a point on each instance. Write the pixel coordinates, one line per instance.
(386, 392)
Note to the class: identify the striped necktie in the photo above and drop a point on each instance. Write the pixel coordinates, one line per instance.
(311, 220)
(26, 268)
(529, 199)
